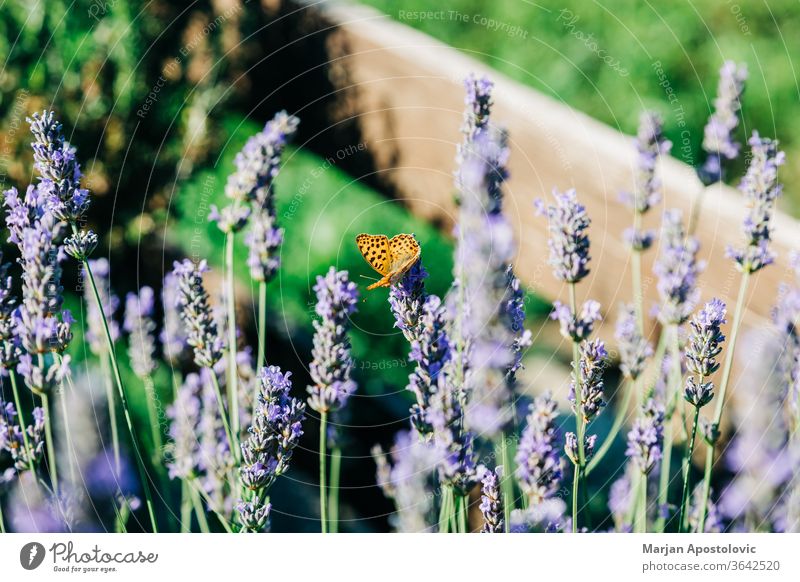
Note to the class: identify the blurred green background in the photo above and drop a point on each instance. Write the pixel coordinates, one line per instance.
(210, 73)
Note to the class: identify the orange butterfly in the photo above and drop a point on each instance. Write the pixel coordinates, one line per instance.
(392, 258)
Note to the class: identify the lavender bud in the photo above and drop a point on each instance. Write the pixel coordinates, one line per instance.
(705, 339)
(491, 502)
(646, 437)
(576, 328)
(761, 189)
(650, 145)
(677, 270)
(254, 515)
(406, 299)
(568, 242)
(634, 350)
(571, 447)
(698, 394)
(330, 368)
(81, 244)
(539, 466)
(231, 218)
(196, 313)
(590, 378)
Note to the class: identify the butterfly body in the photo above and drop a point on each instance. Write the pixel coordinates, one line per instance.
(392, 258)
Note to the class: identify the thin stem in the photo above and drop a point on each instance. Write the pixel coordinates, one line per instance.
(669, 433)
(223, 413)
(445, 511)
(726, 376)
(51, 452)
(687, 464)
(333, 492)
(575, 478)
(694, 212)
(641, 514)
(199, 511)
(233, 376)
(506, 483)
(23, 425)
(112, 410)
(73, 478)
(462, 509)
(619, 418)
(323, 453)
(123, 399)
(579, 423)
(2, 520)
(152, 413)
(262, 324)
(186, 509)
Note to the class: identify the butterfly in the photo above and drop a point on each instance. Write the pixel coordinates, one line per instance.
(392, 258)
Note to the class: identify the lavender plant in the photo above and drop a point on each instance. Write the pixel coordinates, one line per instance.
(539, 465)
(491, 503)
(645, 441)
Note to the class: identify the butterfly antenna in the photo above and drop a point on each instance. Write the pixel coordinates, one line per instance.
(368, 278)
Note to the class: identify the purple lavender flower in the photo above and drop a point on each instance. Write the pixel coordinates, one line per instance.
(576, 327)
(10, 344)
(173, 336)
(539, 465)
(619, 500)
(141, 327)
(58, 168)
(406, 300)
(705, 340)
(430, 350)
(81, 244)
(264, 241)
(646, 437)
(677, 270)
(761, 189)
(568, 242)
(330, 368)
(650, 145)
(267, 452)
(491, 502)
(184, 415)
(634, 349)
(12, 440)
(571, 447)
(714, 522)
(232, 218)
(95, 332)
(590, 370)
(478, 105)
(718, 140)
(196, 314)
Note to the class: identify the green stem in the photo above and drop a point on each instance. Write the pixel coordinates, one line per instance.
(262, 324)
(199, 511)
(51, 452)
(2, 519)
(323, 453)
(669, 433)
(73, 477)
(445, 511)
(687, 464)
(462, 513)
(333, 492)
(186, 509)
(579, 423)
(123, 399)
(694, 212)
(723, 390)
(112, 410)
(506, 482)
(619, 419)
(22, 423)
(233, 376)
(641, 514)
(575, 478)
(152, 413)
(223, 413)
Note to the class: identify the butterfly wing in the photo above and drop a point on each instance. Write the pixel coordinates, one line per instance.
(375, 250)
(404, 251)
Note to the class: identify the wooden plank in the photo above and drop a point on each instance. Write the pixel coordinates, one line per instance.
(406, 91)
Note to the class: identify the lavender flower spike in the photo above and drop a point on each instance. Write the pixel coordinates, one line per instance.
(431, 351)
(58, 168)
(184, 416)
(706, 338)
(141, 327)
(539, 466)
(491, 502)
(406, 300)
(590, 377)
(677, 269)
(11, 437)
(576, 327)
(634, 349)
(331, 365)
(718, 140)
(650, 145)
(568, 242)
(172, 336)
(478, 102)
(196, 313)
(10, 344)
(274, 434)
(571, 447)
(646, 438)
(761, 189)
